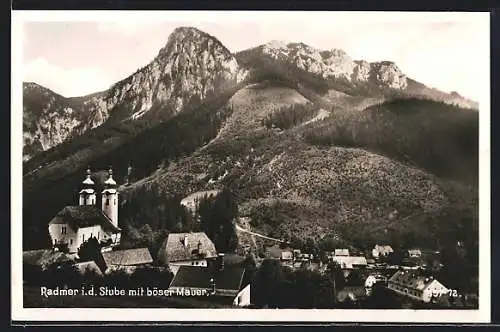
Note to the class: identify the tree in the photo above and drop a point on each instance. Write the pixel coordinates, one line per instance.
(267, 283)
(217, 220)
(90, 250)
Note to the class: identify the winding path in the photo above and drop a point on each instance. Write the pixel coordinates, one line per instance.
(241, 229)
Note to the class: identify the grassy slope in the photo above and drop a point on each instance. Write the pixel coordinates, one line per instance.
(290, 187)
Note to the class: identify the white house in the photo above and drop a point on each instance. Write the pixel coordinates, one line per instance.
(74, 225)
(416, 286)
(194, 249)
(350, 262)
(381, 250)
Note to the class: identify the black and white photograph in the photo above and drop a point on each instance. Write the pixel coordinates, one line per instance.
(252, 165)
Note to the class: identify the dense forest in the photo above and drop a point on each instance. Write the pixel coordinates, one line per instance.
(290, 116)
(435, 136)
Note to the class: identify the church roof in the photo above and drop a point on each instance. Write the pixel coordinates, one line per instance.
(83, 216)
(174, 248)
(127, 257)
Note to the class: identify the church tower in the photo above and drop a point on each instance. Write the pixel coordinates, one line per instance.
(110, 198)
(87, 194)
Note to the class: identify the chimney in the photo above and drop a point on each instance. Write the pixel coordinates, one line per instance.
(186, 242)
(220, 262)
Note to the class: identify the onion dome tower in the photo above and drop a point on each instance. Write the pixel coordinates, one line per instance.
(87, 193)
(110, 198)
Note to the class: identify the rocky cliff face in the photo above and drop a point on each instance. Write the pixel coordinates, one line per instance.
(189, 68)
(336, 64)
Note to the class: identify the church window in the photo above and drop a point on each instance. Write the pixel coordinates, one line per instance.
(70, 241)
(63, 230)
(107, 201)
(115, 201)
(83, 237)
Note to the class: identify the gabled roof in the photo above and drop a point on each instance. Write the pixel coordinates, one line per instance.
(227, 282)
(174, 248)
(81, 216)
(348, 262)
(45, 257)
(411, 279)
(127, 257)
(341, 252)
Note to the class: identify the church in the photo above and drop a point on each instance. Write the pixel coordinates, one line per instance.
(76, 224)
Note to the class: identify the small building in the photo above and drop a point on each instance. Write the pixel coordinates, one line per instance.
(341, 252)
(416, 286)
(382, 250)
(186, 249)
(214, 283)
(126, 260)
(350, 262)
(373, 279)
(414, 253)
(286, 256)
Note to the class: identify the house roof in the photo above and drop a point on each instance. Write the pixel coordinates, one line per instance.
(84, 267)
(349, 261)
(341, 252)
(414, 251)
(411, 279)
(83, 216)
(45, 257)
(174, 248)
(127, 257)
(227, 281)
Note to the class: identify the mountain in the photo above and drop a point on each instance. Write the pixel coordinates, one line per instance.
(49, 118)
(310, 142)
(335, 69)
(191, 67)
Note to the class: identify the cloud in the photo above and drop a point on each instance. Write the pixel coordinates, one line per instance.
(69, 82)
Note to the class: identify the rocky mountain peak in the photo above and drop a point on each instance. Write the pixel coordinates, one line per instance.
(335, 64)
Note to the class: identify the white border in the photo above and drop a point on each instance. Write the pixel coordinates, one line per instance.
(238, 315)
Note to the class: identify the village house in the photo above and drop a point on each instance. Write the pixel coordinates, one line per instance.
(415, 285)
(126, 260)
(414, 253)
(341, 252)
(381, 251)
(224, 284)
(287, 258)
(74, 225)
(180, 249)
(350, 262)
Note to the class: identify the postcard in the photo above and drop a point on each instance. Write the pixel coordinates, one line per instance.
(245, 166)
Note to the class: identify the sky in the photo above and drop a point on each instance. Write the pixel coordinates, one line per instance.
(77, 54)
